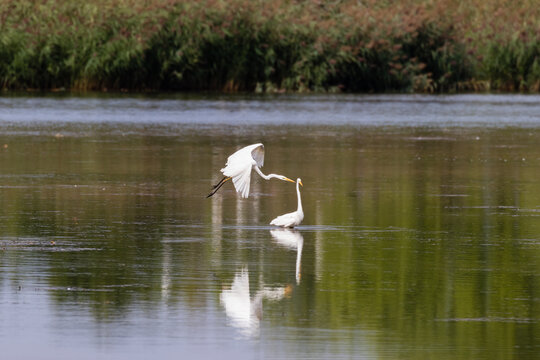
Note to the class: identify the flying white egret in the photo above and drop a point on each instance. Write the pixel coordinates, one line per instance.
(294, 218)
(238, 168)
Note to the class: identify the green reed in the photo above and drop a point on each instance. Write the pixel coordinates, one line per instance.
(267, 46)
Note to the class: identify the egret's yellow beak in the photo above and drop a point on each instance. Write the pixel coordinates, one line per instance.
(300, 182)
(289, 180)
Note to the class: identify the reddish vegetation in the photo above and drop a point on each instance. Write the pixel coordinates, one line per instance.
(270, 45)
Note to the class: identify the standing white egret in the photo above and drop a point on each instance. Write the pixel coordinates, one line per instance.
(238, 168)
(294, 218)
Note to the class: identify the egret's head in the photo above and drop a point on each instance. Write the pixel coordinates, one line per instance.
(281, 177)
(300, 181)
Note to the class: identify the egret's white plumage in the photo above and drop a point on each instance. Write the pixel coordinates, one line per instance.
(294, 218)
(239, 166)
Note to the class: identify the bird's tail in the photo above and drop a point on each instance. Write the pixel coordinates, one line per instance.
(218, 186)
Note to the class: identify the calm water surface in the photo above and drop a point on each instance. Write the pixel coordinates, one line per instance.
(421, 238)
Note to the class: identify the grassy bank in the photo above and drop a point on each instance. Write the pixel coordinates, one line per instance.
(270, 45)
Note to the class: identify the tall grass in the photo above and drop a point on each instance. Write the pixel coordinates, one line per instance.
(270, 45)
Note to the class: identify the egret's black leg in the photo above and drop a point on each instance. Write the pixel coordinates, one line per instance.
(220, 182)
(218, 185)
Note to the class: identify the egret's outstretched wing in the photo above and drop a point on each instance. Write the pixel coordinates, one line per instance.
(241, 182)
(246, 155)
(239, 165)
(258, 154)
(237, 160)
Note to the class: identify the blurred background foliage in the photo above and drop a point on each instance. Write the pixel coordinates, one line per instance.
(270, 45)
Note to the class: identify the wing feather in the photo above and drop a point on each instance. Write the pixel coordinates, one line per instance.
(242, 181)
(258, 154)
(239, 165)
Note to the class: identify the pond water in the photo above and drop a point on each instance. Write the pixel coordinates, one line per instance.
(421, 236)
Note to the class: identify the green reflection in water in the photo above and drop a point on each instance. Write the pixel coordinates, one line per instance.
(425, 238)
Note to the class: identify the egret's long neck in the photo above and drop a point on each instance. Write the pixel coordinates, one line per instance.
(299, 199)
(265, 177)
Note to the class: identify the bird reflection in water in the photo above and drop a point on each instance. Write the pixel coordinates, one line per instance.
(291, 239)
(244, 312)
